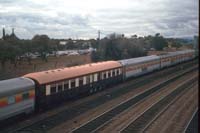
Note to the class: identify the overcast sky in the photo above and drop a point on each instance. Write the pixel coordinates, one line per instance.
(83, 18)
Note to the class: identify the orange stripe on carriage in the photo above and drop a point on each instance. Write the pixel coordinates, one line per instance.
(3, 102)
(32, 94)
(18, 98)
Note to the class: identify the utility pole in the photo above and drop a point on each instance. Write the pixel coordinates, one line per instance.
(99, 34)
(4, 34)
(98, 39)
(13, 31)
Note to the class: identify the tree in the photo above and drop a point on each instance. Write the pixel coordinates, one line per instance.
(116, 48)
(28, 47)
(41, 42)
(9, 52)
(158, 42)
(3, 53)
(112, 50)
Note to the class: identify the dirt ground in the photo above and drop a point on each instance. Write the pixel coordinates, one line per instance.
(23, 67)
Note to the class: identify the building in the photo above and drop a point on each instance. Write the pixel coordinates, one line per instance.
(12, 36)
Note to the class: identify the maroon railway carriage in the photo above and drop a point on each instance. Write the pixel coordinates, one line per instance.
(54, 86)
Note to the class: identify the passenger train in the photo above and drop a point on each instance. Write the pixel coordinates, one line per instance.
(42, 89)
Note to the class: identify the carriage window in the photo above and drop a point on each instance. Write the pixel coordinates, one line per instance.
(53, 88)
(108, 74)
(11, 99)
(66, 85)
(117, 72)
(81, 81)
(88, 79)
(104, 76)
(91, 78)
(72, 83)
(60, 87)
(25, 96)
(47, 90)
(113, 73)
(98, 77)
(95, 77)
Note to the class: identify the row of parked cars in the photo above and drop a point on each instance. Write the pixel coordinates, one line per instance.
(59, 53)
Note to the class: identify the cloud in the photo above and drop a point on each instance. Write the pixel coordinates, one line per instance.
(66, 18)
(65, 25)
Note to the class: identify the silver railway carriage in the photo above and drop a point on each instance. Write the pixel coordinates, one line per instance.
(185, 55)
(173, 58)
(141, 65)
(16, 96)
(167, 60)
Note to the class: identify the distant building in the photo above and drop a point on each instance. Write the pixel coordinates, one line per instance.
(86, 43)
(63, 42)
(12, 36)
(134, 36)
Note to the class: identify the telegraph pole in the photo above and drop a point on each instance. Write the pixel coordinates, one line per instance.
(99, 34)
(4, 34)
(13, 31)
(98, 38)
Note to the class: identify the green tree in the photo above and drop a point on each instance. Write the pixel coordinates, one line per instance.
(9, 52)
(3, 52)
(158, 42)
(112, 50)
(41, 42)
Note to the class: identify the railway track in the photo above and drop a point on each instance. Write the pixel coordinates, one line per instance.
(97, 122)
(47, 123)
(192, 126)
(175, 117)
(121, 120)
(144, 120)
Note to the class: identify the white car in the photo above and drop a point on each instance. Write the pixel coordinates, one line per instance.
(73, 53)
